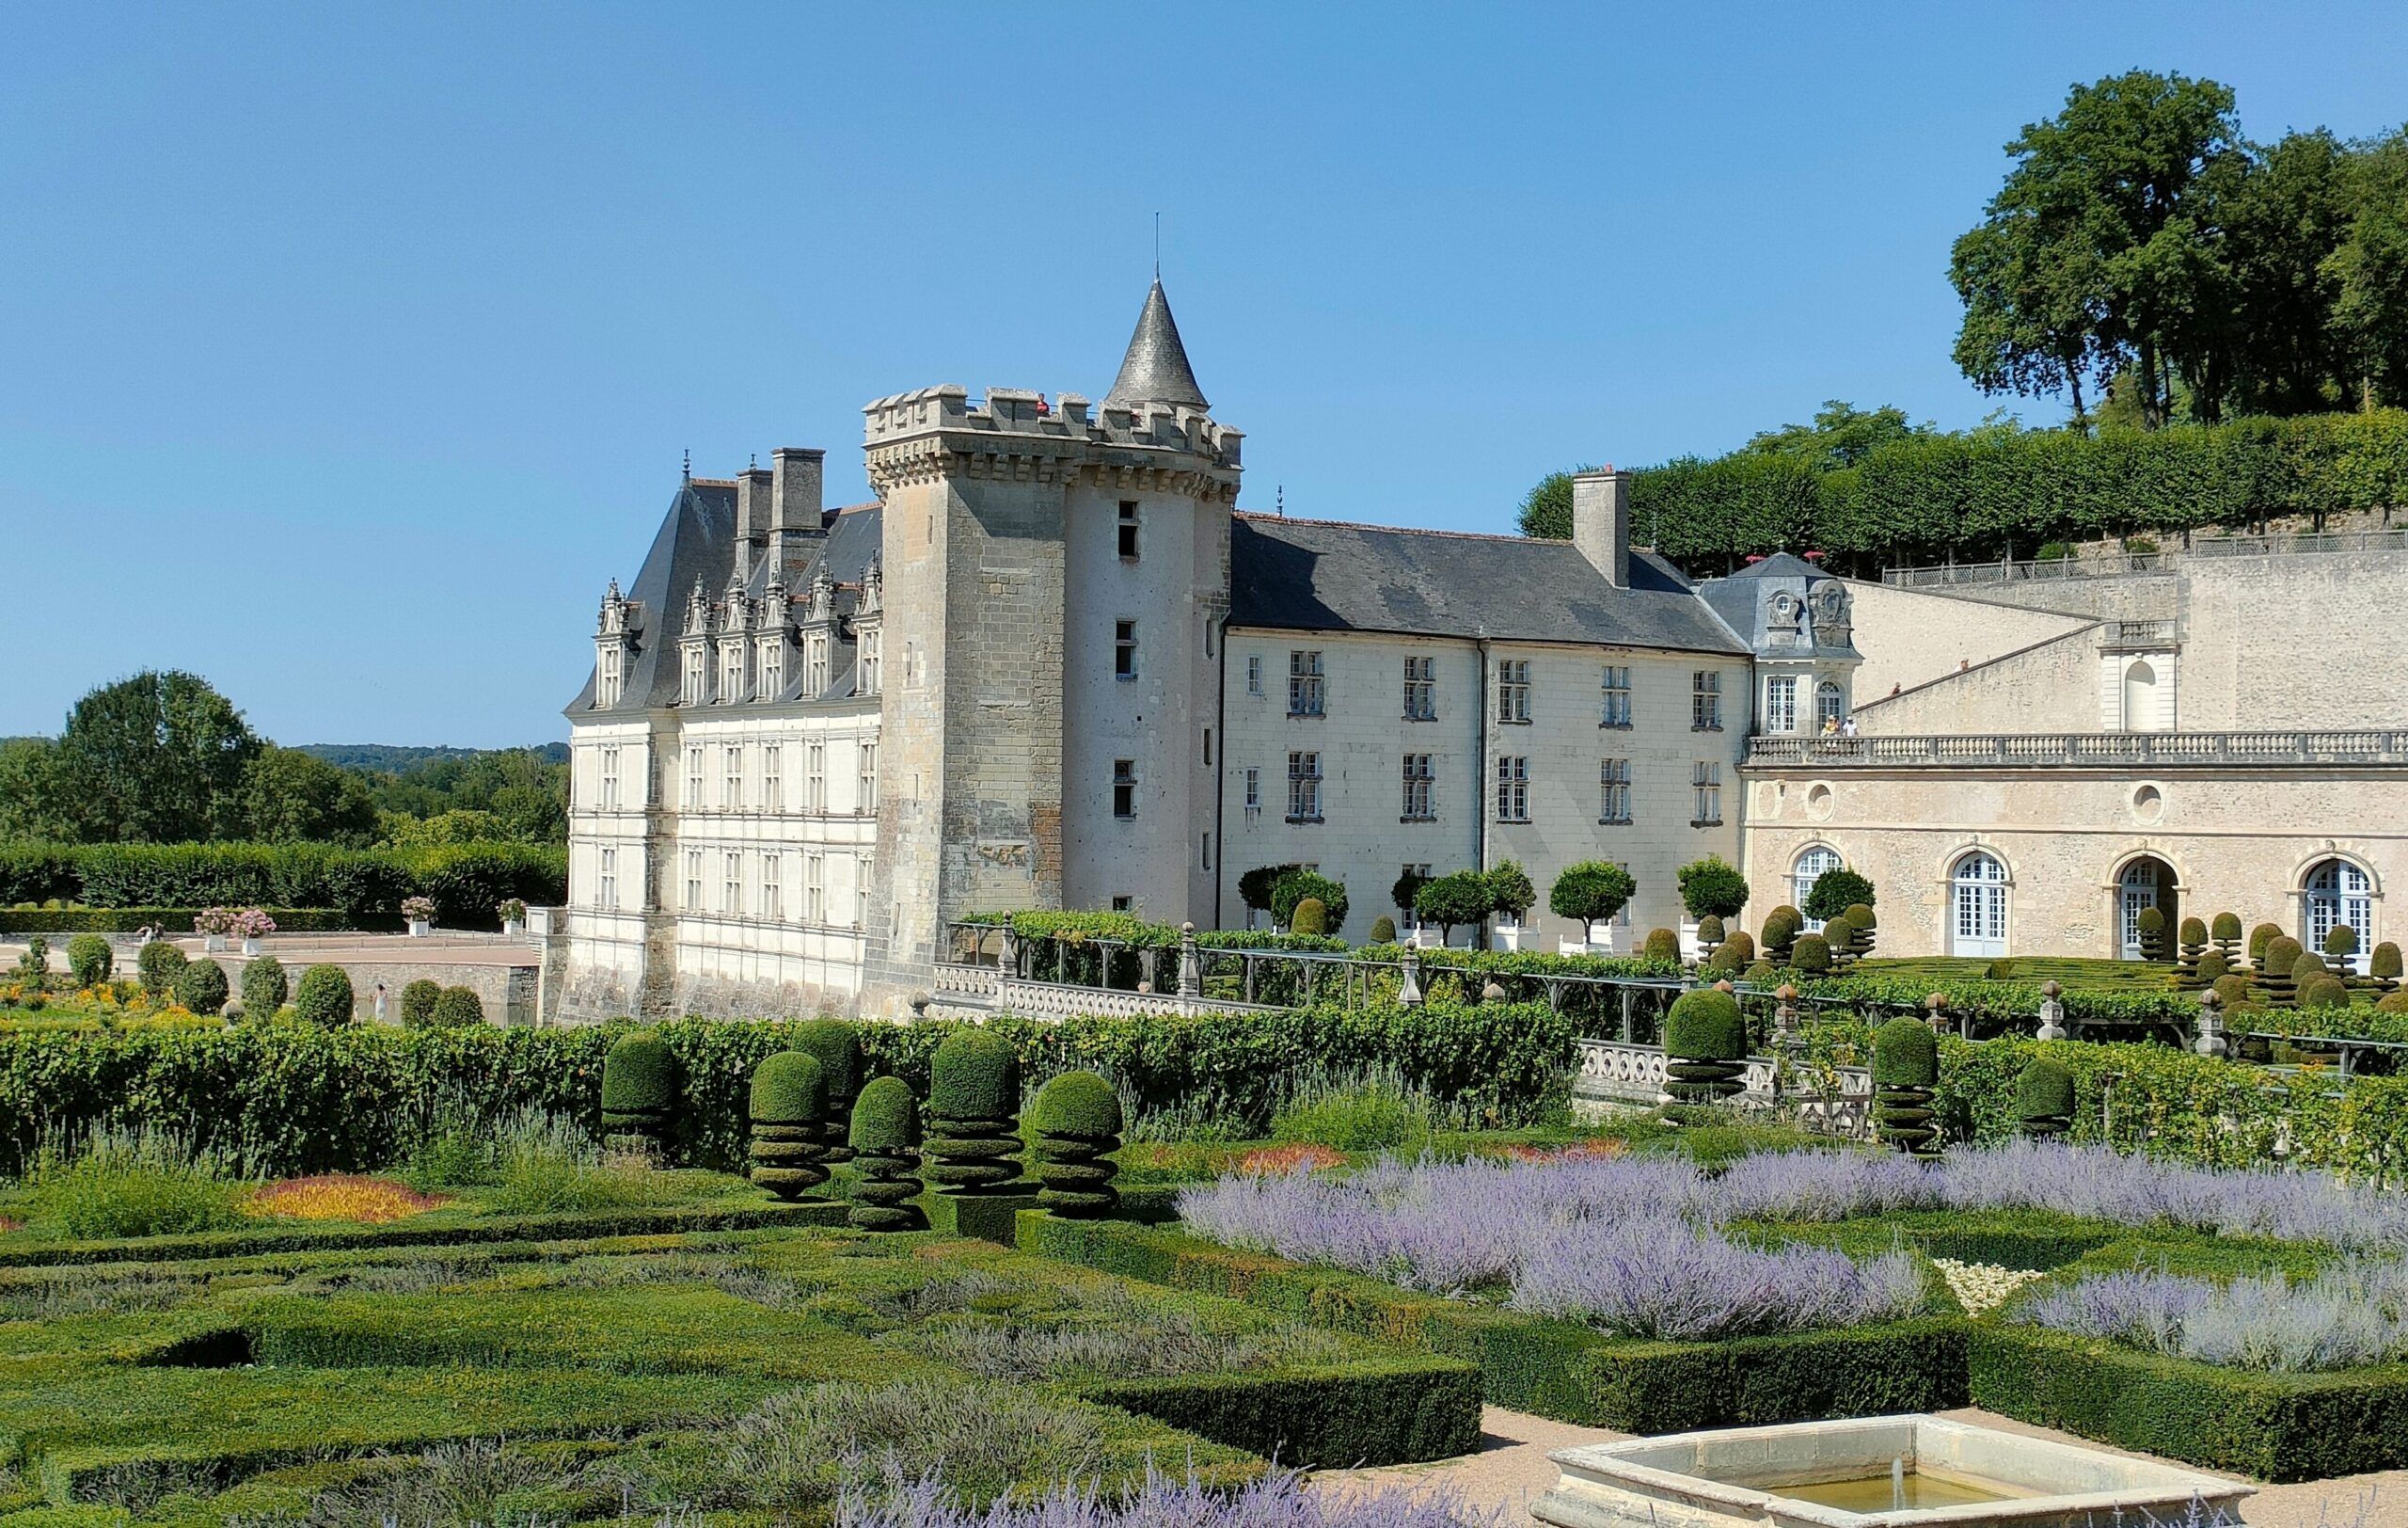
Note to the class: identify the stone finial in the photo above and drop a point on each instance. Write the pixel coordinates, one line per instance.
(2052, 1011)
(1408, 993)
(1190, 971)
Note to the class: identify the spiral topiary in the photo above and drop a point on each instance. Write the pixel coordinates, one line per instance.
(2382, 966)
(1663, 946)
(418, 1003)
(201, 987)
(639, 1093)
(1839, 938)
(263, 988)
(885, 1139)
(1311, 917)
(973, 1102)
(1383, 929)
(2044, 1098)
(90, 959)
(1905, 1069)
(2275, 965)
(1782, 926)
(1079, 1121)
(1706, 1047)
(788, 1113)
(323, 998)
(2324, 992)
(1861, 920)
(457, 1008)
(1811, 954)
(837, 1048)
(2193, 934)
(157, 964)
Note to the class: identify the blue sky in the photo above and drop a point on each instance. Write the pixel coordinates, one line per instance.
(350, 349)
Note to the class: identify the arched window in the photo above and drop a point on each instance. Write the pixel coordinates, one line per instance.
(1831, 704)
(1977, 906)
(2339, 892)
(2140, 698)
(2145, 882)
(1804, 873)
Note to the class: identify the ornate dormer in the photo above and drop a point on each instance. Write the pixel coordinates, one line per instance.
(613, 648)
(1796, 620)
(773, 643)
(734, 644)
(870, 631)
(819, 633)
(693, 650)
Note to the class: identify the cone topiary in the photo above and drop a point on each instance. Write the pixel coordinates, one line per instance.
(418, 1003)
(263, 988)
(788, 1111)
(1078, 1119)
(2274, 969)
(457, 1008)
(201, 987)
(885, 1141)
(90, 959)
(837, 1048)
(2044, 1097)
(1811, 954)
(973, 1101)
(158, 963)
(1905, 1069)
(1384, 931)
(1706, 1046)
(639, 1093)
(2382, 966)
(1663, 946)
(2259, 937)
(1311, 917)
(1782, 926)
(2324, 992)
(324, 997)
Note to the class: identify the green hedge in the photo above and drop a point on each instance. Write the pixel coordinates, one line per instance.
(2303, 1426)
(466, 880)
(1390, 1410)
(1558, 1369)
(176, 922)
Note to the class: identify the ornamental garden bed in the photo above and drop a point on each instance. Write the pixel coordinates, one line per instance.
(722, 1373)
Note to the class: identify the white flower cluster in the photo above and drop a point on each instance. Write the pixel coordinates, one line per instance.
(1978, 1287)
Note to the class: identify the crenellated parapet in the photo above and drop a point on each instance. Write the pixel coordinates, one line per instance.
(1016, 436)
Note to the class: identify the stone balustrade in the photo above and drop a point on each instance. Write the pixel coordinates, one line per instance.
(2079, 749)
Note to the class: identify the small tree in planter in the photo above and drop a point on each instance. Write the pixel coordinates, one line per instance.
(1905, 1069)
(1590, 893)
(201, 987)
(2340, 948)
(2150, 923)
(973, 1094)
(885, 1139)
(2274, 970)
(2193, 934)
(1782, 928)
(263, 988)
(1509, 891)
(418, 1003)
(158, 964)
(2259, 937)
(1453, 901)
(1835, 891)
(2044, 1098)
(1811, 954)
(512, 913)
(788, 1117)
(324, 997)
(1079, 1121)
(638, 1094)
(419, 913)
(2225, 930)
(1706, 1046)
(837, 1048)
(2383, 967)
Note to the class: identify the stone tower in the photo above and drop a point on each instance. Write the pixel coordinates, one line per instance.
(1056, 580)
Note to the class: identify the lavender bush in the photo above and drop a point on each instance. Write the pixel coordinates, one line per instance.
(1679, 1283)
(1278, 1499)
(2349, 1315)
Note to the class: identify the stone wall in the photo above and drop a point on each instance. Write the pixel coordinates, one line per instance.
(508, 990)
(2309, 640)
(2049, 686)
(1911, 637)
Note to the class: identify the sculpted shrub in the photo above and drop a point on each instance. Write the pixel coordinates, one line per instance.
(639, 1093)
(2044, 1097)
(418, 1003)
(837, 1048)
(1078, 1120)
(158, 964)
(457, 1008)
(263, 988)
(1705, 1040)
(1906, 1069)
(974, 1096)
(787, 1107)
(90, 959)
(885, 1139)
(323, 998)
(201, 986)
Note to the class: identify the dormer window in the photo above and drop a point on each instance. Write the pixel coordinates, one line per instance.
(731, 673)
(773, 668)
(689, 690)
(609, 677)
(867, 662)
(815, 669)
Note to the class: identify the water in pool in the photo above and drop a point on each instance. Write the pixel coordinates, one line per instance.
(1872, 1493)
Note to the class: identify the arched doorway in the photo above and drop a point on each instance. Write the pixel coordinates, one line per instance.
(2140, 698)
(1808, 869)
(2337, 892)
(1977, 906)
(2147, 882)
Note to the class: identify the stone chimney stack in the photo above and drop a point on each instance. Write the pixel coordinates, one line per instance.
(794, 499)
(751, 516)
(1601, 521)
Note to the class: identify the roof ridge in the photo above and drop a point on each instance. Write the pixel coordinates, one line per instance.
(1397, 530)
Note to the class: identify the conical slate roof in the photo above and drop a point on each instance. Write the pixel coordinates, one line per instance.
(1155, 371)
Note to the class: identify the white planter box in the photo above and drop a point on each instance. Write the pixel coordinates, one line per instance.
(250, 947)
(514, 928)
(419, 928)
(212, 944)
(1509, 936)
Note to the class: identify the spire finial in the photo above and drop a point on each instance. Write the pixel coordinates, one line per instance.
(1158, 246)
(687, 468)
(1281, 502)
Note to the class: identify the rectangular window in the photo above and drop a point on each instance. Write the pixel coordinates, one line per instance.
(1253, 789)
(731, 779)
(610, 792)
(1513, 689)
(694, 779)
(1124, 787)
(1420, 689)
(605, 880)
(865, 877)
(873, 648)
(1616, 689)
(1208, 748)
(814, 777)
(731, 673)
(1707, 779)
(772, 793)
(1706, 701)
(815, 888)
(773, 668)
(693, 902)
(691, 688)
(1254, 674)
(1614, 790)
(1124, 904)
(731, 888)
(1513, 788)
(1129, 529)
(1781, 703)
(1304, 788)
(1124, 649)
(773, 894)
(866, 801)
(609, 678)
(815, 669)
(1303, 684)
(1208, 852)
(1418, 777)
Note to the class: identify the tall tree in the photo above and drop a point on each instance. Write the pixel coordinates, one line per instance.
(2288, 214)
(158, 757)
(1842, 435)
(2370, 272)
(289, 797)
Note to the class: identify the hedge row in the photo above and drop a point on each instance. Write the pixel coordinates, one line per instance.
(1558, 1369)
(1985, 497)
(176, 921)
(466, 880)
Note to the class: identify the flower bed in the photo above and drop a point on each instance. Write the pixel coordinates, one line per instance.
(340, 1196)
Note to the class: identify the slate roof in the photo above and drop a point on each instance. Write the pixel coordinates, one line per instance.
(1155, 370)
(1331, 576)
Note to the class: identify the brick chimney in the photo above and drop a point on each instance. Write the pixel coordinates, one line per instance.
(794, 498)
(1601, 521)
(751, 516)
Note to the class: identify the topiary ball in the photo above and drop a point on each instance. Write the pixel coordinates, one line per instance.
(2324, 992)
(639, 1091)
(457, 1008)
(2309, 968)
(787, 1109)
(1905, 1054)
(1782, 924)
(886, 1118)
(2393, 1002)
(1663, 946)
(885, 1139)
(1384, 931)
(201, 987)
(90, 959)
(418, 1003)
(2213, 967)
(1078, 1119)
(2044, 1097)
(158, 963)
(1744, 944)
(1811, 954)
(2233, 991)
(1761, 973)
(323, 997)
(263, 988)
